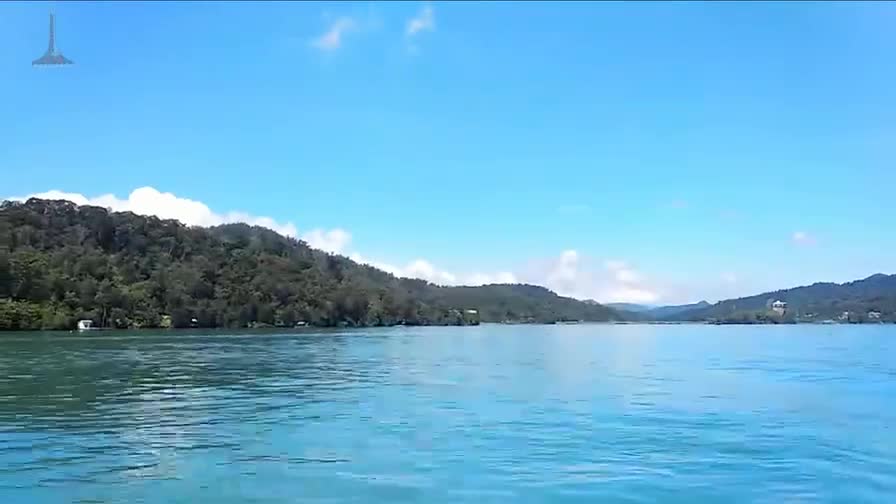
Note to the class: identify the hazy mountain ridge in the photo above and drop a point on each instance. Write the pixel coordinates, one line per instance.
(650, 312)
(629, 307)
(666, 311)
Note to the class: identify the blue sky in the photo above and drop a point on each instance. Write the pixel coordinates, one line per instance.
(659, 152)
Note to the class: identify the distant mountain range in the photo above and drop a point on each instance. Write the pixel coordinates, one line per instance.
(656, 312)
(629, 307)
(661, 312)
(869, 299)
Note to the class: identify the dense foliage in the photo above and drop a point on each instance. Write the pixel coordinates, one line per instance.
(847, 302)
(60, 263)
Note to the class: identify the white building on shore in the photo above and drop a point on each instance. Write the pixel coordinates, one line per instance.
(779, 307)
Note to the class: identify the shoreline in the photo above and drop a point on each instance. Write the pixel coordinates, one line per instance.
(311, 328)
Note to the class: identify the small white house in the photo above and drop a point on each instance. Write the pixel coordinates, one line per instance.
(85, 325)
(779, 307)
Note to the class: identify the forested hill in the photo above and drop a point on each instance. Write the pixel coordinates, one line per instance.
(60, 263)
(818, 301)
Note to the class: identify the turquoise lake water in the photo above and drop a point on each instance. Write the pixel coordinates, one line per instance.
(588, 413)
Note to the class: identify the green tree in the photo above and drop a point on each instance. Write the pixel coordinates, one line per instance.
(63, 262)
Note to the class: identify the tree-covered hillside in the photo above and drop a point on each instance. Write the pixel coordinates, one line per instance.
(815, 302)
(60, 263)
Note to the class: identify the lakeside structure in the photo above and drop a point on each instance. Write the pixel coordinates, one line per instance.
(779, 307)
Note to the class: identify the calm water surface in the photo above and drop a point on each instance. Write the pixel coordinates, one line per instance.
(591, 413)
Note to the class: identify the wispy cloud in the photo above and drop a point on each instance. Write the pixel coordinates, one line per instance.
(334, 241)
(425, 270)
(425, 20)
(332, 38)
(803, 238)
(575, 275)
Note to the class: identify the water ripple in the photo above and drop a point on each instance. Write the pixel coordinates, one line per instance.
(495, 413)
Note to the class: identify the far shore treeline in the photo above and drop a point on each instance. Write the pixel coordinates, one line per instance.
(60, 263)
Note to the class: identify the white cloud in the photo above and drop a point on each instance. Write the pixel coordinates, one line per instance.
(424, 270)
(151, 201)
(332, 38)
(803, 238)
(569, 274)
(334, 241)
(576, 276)
(625, 275)
(564, 273)
(627, 285)
(165, 205)
(424, 21)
